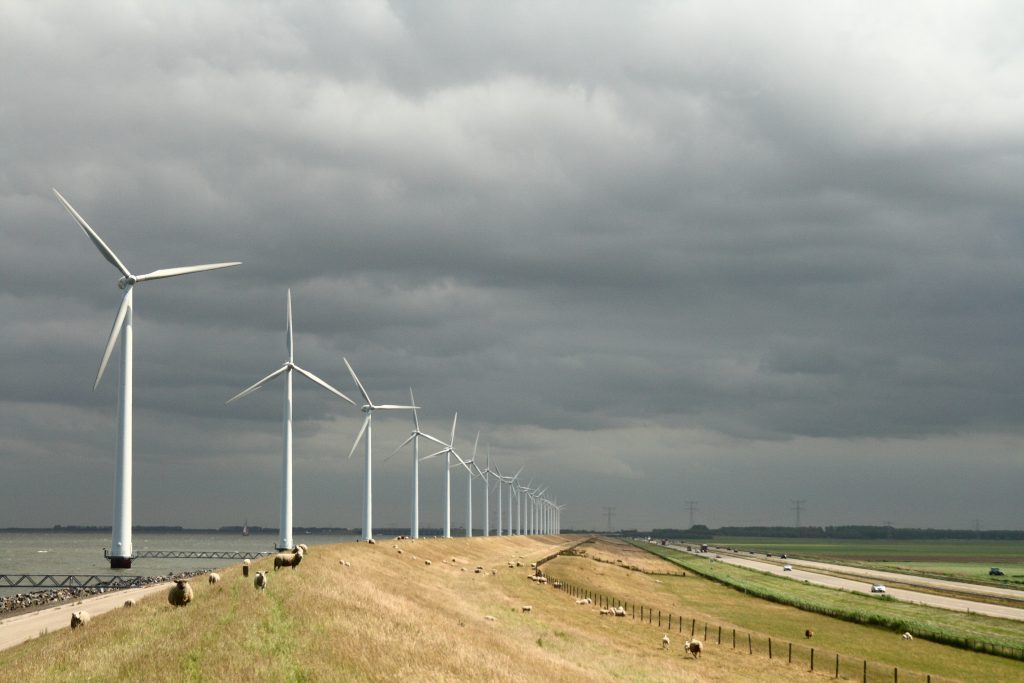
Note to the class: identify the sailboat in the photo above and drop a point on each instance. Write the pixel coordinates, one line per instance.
(245, 528)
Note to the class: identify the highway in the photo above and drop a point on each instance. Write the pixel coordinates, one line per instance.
(806, 570)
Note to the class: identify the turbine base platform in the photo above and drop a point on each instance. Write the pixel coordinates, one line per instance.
(120, 562)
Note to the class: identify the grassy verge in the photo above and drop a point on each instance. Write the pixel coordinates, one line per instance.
(974, 632)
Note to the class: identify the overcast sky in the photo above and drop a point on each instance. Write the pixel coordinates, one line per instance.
(735, 253)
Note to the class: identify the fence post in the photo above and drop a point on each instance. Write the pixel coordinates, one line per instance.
(837, 665)
(734, 639)
(865, 680)
(634, 611)
(719, 635)
(693, 627)
(750, 644)
(895, 674)
(659, 618)
(705, 631)
(769, 647)
(812, 659)
(790, 653)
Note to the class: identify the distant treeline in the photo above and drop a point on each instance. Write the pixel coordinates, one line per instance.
(848, 531)
(237, 529)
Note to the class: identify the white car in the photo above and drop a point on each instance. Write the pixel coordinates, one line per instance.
(787, 567)
(878, 588)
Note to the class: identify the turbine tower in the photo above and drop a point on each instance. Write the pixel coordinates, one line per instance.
(368, 408)
(447, 451)
(284, 539)
(121, 529)
(414, 438)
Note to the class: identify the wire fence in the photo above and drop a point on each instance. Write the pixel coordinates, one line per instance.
(739, 642)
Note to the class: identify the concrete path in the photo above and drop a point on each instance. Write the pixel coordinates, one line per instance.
(18, 628)
(807, 573)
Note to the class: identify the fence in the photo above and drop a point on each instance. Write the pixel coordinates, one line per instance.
(822, 660)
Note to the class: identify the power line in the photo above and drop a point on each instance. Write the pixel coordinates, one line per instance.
(797, 506)
(692, 504)
(608, 511)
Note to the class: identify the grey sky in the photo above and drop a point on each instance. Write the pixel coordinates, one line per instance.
(655, 252)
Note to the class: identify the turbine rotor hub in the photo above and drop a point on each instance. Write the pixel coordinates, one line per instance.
(126, 281)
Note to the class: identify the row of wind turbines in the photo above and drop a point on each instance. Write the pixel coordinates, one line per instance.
(534, 512)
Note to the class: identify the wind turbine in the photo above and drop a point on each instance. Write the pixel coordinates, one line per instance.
(510, 482)
(469, 465)
(121, 536)
(486, 475)
(447, 451)
(367, 429)
(284, 540)
(414, 437)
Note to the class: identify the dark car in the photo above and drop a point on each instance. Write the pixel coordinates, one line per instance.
(995, 571)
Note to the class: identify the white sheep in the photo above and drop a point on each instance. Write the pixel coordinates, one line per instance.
(372, 542)
(605, 612)
(694, 647)
(129, 603)
(80, 618)
(664, 642)
(907, 636)
(488, 617)
(214, 577)
(245, 567)
(427, 562)
(527, 608)
(260, 582)
(581, 601)
(180, 593)
(619, 611)
(303, 547)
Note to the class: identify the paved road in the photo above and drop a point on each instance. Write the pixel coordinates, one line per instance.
(18, 628)
(805, 573)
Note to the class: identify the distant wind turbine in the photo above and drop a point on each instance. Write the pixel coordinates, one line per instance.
(447, 452)
(284, 540)
(414, 438)
(121, 537)
(368, 409)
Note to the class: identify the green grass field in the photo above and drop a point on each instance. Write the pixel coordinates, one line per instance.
(954, 559)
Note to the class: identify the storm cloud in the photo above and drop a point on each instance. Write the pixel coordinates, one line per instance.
(654, 252)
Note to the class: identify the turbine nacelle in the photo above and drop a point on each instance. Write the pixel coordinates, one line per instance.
(126, 281)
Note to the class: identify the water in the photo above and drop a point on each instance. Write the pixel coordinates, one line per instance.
(82, 553)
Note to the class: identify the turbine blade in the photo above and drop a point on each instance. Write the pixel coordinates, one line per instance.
(185, 270)
(362, 390)
(359, 436)
(436, 440)
(415, 415)
(288, 337)
(245, 392)
(443, 450)
(475, 443)
(404, 444)
(454, 420)
(115, 332)
(387, 406)
(107, 252)
(313, 378)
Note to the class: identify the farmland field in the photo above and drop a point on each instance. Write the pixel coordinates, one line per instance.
(964, 560)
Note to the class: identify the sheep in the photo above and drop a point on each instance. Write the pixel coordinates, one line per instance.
(511, 565)
(907, 636)
(488, 617)
(605, 612)
(808, 633)
(556, 584)
(260, 582)
(287, 560)
(427, 562)
(399, 551)
(80, 618)
(303, 547)
(527, 608)
(582, 601)
(129, 603)
(694, 647)
(214, 577)
(180, 593)
(619, 611)
(245, 567)
(664, 642)
(372, 542)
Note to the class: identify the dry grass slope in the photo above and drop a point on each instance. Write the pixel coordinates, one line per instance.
(388, 617)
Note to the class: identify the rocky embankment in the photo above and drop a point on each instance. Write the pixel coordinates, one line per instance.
(55, 596)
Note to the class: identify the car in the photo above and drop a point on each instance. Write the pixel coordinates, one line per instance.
(995, 571)
(878, 588)
(787, 567)
(783, 556)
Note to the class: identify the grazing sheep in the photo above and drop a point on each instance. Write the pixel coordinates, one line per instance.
(287, 560)
(808, 633)
(581, 601)
(664, 642)
(80, 618)
(399, 551)
(180, 593)
(527, 608)
(372, 542)
(494, 572)
(619, 611)
(605, 612)
(542, 579)
(427, 562)
(454, 560)
(245, 567)
(694, 647)
(303, 547)
(478, 571)
(556, 584)
(260, 582)
(214, 577)
(129, 603)
(488, 617)
(907, 636)
(511, 565)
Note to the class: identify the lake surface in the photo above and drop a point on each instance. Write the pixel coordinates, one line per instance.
(82, 553)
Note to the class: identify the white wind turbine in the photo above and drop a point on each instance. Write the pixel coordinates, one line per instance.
(368, 408)
(486, 475)
(510, 482)
(414, 438)
(469, 465)
(121, 536)
(284, 540)
(447, 451)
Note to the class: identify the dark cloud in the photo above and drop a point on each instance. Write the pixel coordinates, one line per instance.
(692, 251)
